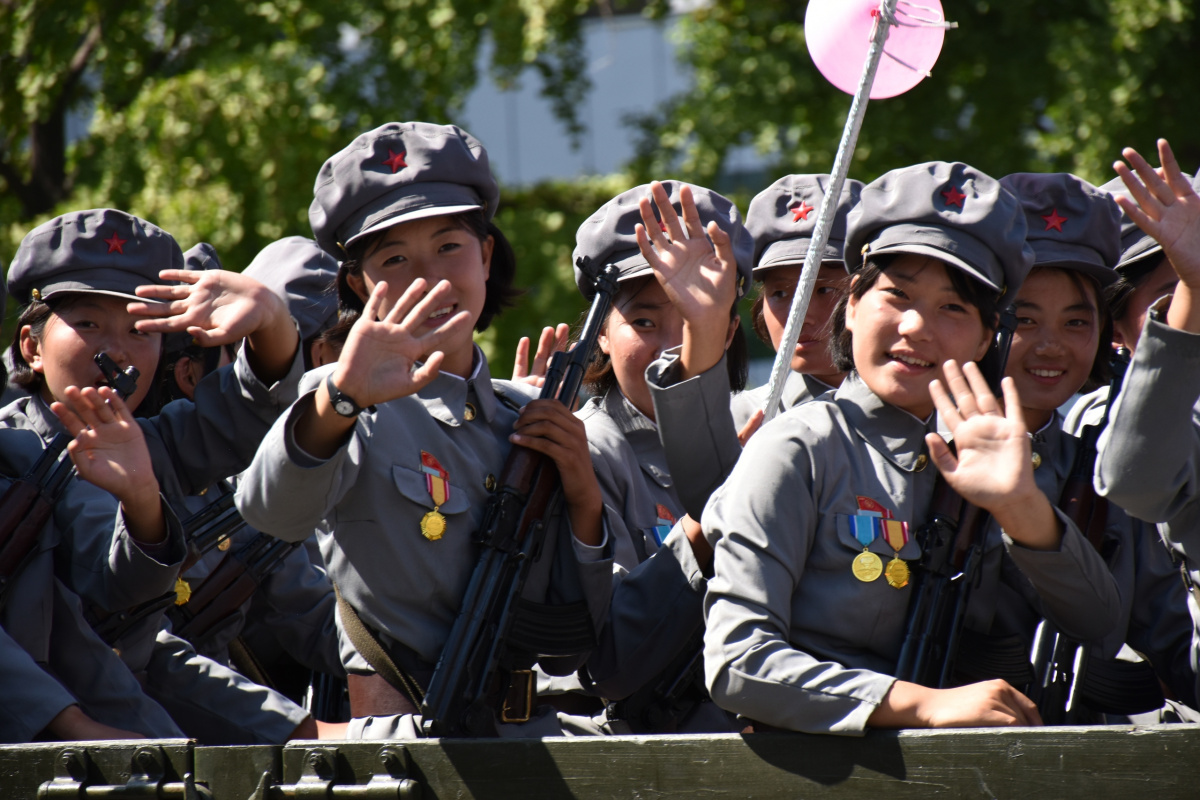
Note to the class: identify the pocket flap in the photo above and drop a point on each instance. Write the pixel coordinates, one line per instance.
(412, 485)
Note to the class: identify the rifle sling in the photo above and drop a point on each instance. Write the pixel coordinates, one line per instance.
(366, 643)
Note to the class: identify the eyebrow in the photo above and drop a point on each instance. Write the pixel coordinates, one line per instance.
(642, 304)
(909, 279)
(387, 242)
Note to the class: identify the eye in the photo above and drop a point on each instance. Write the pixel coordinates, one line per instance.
(643, 323)
(83, 323)
(1079, 323)
(394, 260)
(894, 292)
(781, 294)
(826, 289)
(956, 308)
(449, 247)
(1026, 321)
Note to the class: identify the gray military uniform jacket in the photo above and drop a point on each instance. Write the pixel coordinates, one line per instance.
(372, 494)
(657, 582)
(192, 445)
(1149, 461)
(797, 389)
(295, 602)
(47, 648)
(793, 639)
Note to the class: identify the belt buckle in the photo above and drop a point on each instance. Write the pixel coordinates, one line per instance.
(511, 711)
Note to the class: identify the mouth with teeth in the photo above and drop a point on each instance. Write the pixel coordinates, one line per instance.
(439, 315)
(1046, 375)
(909, 362)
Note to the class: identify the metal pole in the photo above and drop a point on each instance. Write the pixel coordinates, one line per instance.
(841, 165)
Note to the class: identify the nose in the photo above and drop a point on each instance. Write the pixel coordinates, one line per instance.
(1048, 344)
(912, 325)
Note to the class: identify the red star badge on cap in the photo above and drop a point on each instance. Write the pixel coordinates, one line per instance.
(801, 212)
(116, 244)
(954, 197)
(1053, 220)
(395, 160)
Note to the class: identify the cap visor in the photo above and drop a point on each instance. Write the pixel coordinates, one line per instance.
(409, 216)
(53, 293)
(939, 254)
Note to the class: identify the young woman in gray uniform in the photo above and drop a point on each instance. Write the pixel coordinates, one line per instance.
(804, 628)
(1061, 346)
(394, 450)
(659, 566)
(782, 219)
(71, 684)
(1149, 453)
(92, 281)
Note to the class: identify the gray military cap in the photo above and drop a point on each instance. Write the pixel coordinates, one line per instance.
(1071, 223)
(948, 211)
(398, 172)
(783, 220)
(99, 251)
(1136, 244)
(302, 274)
(608, 237)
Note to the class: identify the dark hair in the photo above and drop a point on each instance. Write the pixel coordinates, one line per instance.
(973, 292)
(335, 335)
(1117, 295)
(600, 377)
(36, 314)
(500, 290)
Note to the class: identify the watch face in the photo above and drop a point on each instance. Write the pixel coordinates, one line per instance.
(344, 407)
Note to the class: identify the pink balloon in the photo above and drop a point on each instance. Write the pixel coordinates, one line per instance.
(838, 33)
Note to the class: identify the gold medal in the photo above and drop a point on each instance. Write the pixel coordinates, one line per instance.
(867, 566)
(223, 544)
(183, 591)
(897, 573)
(433, 525)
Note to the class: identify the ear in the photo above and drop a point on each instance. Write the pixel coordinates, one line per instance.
(31, 349)
(602, 342)
(358, 285)
(321, 353)
(734, 322)
(851, 304)
(187, 375)
(1118, 339)
(487, 247)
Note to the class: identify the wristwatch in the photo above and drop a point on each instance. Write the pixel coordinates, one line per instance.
(343, 403)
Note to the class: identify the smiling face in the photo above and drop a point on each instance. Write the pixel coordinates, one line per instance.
(641, 325)
(80, 327)
(811, 356)
(906, 326)
(1054, 346)
(436, 249)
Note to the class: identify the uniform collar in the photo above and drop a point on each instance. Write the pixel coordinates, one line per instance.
(800, 388)
(446, 397)
(41, 418)
(896, 434)
(642, 434)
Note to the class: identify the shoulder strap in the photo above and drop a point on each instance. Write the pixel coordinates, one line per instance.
(366, 643)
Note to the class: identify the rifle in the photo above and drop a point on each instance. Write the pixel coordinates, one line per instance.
(203, 530)
(1059, 663)
(951, 558)
(227, 588)
(497, 636)
(29, 501)
(660, 705)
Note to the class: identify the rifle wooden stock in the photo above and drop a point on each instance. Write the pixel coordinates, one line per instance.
(476, 669)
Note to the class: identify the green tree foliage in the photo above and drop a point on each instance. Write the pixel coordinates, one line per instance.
(212, 117)
(1020, 85)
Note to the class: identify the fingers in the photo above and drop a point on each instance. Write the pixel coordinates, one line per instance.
(691, 216)
(375, 301)
(69, 418)
(547, 344)
(984, 398)
(939, 453)
(960, 389)
(521, 362)
(562, 336)
(1024, 708)
(1154, 184)
(944, 405)
(1180, 184)
(751, 427)
(425, 373)
(418, 295)
(1012, 403)
(650, 225)
(666, 211)
(180, 275)
(155, 291)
